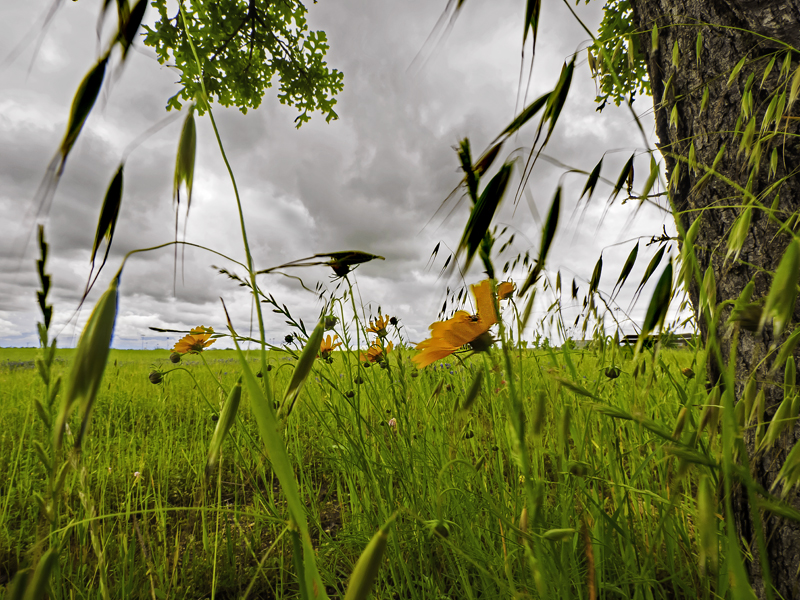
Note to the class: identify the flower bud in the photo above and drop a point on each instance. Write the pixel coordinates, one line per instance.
(155, 377)
(175, 358)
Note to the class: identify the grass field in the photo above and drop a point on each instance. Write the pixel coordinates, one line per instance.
(613, 516)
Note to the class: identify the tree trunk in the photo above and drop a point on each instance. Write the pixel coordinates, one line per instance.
(732, 30)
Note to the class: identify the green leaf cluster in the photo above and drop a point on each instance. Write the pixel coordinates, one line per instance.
(621, 71)
(244, 46)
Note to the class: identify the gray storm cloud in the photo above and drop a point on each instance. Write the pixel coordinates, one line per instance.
(372, 181)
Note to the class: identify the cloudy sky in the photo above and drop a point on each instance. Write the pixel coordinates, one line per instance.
(372, 181)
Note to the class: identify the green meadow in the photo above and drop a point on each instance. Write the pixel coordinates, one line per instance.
(608, 510)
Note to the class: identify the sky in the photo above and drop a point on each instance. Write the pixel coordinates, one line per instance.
(374, 180)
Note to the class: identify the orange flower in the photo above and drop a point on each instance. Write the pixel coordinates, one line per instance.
(462, 329)
(379, 325)
(375, 353)
(328, 346)
(505, 289)
(196, 341)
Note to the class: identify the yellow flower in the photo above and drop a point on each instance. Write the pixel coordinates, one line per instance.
(196, 341)
(328, 346)
(379, 325)
(460, 330)
(375, 353)
(505, 289)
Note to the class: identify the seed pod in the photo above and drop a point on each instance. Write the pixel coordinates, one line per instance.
(539, 412)
(42, 371)
(783, 291)
(780, 421)
(789, 376)
(749, 398)
(303, 368)
(61, 478)
(739, 413)
(474, 390)
(523, 523)
(368, 565)
(558, 535)
(707, 526)
(442, 529)
(38, 583)
(227, 417)
(42, 411)
(710, 416)
(41, 454)
(90, 361)
(679, 424)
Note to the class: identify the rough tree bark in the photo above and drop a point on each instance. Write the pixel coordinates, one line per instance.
(730, 30)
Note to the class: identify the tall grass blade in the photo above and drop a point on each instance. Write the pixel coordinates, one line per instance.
(269, 430)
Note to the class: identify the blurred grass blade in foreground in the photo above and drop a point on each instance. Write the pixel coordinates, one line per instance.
(89, 364)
